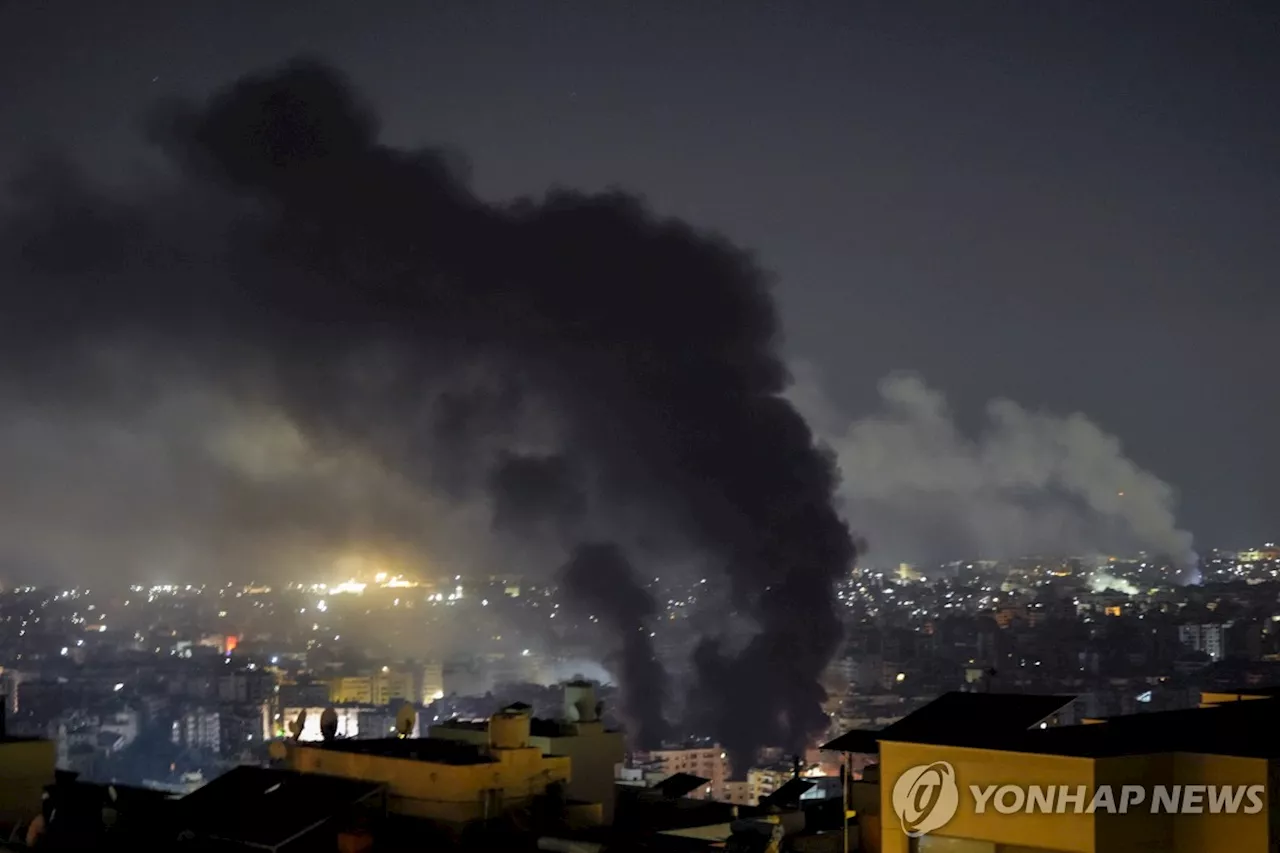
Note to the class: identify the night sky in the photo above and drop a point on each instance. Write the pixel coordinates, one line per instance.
(1073, 205)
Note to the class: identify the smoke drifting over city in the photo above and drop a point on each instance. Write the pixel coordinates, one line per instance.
(303, 339)
(1029, 482)
(600, 579)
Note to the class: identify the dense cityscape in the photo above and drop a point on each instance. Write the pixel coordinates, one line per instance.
(639, 427)
(171, 685)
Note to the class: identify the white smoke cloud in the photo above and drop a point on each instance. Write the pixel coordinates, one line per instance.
(1103, 582)
(919, 488)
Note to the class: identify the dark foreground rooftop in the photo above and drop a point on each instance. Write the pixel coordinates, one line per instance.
(265, 808)
(1244, 729)
(434, 750)
(976, 713)
(538, 726)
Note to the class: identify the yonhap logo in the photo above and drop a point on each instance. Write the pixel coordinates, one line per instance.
(926, 797)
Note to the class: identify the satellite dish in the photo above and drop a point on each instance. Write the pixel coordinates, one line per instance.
(295, 727)
(277, 751)
(405, 718)
(329, 724)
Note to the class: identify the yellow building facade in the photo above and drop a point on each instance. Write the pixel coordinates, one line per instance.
(593, 752)
(432, 686)
(992, 773)
(444, 781)
(377, 688)
(1100, 832)
(26, 766)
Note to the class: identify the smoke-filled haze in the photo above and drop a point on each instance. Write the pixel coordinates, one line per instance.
(924, 489)
(296, 344)
(303, 340)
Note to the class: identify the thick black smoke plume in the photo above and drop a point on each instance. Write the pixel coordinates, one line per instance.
(600, 580)
(300, 266)
(541, 498)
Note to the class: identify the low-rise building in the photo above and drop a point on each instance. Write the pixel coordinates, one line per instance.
(450, 782)
(1062, 788)
(593, 750)
(711, 762)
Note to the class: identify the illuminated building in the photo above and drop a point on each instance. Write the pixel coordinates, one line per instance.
(449, 781)
(1209, 638)
(432, 683)
(348, 723)
(376, 688)
(198, 729)
(997, 740)
(708, 762)
(763, 781)
(738, 792)
(399, 582)
(1257, 555)
(594, 751)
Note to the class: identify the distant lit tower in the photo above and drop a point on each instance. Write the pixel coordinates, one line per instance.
(1209, 638)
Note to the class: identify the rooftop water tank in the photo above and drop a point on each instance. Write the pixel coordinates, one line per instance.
(580, 702)
(509, 730)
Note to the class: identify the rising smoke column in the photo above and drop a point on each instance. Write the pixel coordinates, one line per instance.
(600, 580)
(543, 497)
(366, 293)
